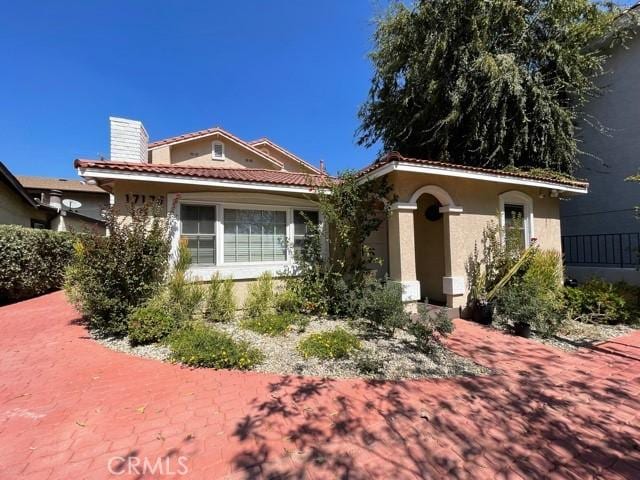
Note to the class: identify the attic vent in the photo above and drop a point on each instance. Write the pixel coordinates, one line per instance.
(218, 150)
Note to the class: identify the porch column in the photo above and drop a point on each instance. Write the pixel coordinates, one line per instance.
(402, 251)
(453, 284)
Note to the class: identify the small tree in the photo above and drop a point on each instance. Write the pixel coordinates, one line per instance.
(111, 275)
(334, 263)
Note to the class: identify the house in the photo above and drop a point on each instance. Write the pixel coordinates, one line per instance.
(80, 203)
(17, 207)
(39, 202)
(241, 206)
(601, 236)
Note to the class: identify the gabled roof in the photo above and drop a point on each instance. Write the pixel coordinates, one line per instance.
(266, 141)
(388, 162)
(212, 132)
(243, 175)
(66, 185)
(7, 177)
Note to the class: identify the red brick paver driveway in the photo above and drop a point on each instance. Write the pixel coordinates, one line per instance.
(71, 409)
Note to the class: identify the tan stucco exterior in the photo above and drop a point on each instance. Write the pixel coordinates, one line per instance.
(480, 202)
(14, 210)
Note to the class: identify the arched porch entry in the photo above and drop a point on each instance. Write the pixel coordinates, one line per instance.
(420, 250)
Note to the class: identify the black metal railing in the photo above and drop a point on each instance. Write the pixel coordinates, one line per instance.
(614, 250)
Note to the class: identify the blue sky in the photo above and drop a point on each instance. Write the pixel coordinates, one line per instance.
(294, 71)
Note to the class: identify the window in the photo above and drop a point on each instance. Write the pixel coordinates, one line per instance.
(516, 215)
(514, 222)
(217, 150)
(38, 224)
(301, 218)
(254, 235)
(199, 228)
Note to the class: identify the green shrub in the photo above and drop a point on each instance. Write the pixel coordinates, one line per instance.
(534, 296)
(260, 298)
(199, 345)
(32, 261)
(383, 308)
(183, 298)
(367, 362)
(334, 344)
(274, 324)
(602, 302)
(110, 276)
(288, 301)
(220, 304)
(425, 329)
(150, 323)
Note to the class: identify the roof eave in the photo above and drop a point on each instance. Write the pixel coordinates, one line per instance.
(102, 173)
(397, 165)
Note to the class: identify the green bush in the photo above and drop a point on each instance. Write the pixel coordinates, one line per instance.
(110, 276)
(274, 324)
(260, 298)
(150, 323)
(199, 345)
(367, 362)
(334, 344)
(32, 261)
(383, 308)
(534, 297)
(220, 304)
(425, 329)
(602, 302)
(288, 301)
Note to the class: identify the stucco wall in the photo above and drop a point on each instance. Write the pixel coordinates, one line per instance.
(480, 201)
(608, 208)
(197, 153)
(14, 210)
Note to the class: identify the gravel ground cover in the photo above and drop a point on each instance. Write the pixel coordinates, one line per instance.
(390, 358)
(575, 334)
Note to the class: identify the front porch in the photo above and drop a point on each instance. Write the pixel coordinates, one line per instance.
(421, 256)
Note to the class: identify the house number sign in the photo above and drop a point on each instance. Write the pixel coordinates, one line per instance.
(141, 199)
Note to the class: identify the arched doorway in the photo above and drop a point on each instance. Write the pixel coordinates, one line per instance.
(429, 232)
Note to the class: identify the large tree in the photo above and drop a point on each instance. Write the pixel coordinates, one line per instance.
(495, 83)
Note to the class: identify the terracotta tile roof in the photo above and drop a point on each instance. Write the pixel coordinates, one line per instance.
(264, 140)
(47, 183)
(397, 157)
(252, 175)
(186, 136)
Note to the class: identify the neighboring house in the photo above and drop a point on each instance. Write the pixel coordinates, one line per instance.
(36, 202)
(601, 235)
(80, 203)
(239, 206)
(17, 207)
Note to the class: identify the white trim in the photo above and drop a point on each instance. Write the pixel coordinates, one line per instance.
(213, 151)
(169, 178)
(226, 135)
(262, 141)
(453, 172)
(403, 206)
(451, 209)
(441, 195)
(515, 197)
(236, 271)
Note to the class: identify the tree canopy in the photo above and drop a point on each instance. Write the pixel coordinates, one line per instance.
(486, 83)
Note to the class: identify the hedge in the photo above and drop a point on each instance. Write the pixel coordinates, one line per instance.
(32, 261)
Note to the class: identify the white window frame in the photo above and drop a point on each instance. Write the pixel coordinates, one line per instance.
(242, 270)
(515, 197)
(213, 150)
